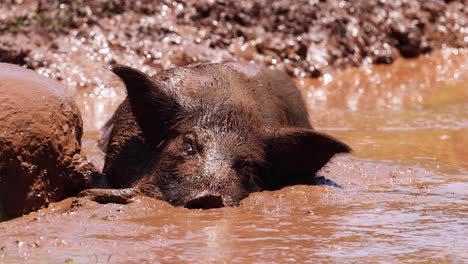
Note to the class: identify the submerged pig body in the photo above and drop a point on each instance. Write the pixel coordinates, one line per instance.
(208, 135)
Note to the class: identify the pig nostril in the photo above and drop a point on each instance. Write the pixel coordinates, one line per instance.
(205, 202)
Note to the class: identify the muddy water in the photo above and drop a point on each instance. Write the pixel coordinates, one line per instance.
(413, 111)
(403, 197)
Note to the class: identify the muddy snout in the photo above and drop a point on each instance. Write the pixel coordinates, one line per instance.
(205, 201)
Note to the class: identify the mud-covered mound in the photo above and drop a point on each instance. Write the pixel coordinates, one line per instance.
(305, 38)
(40, 135)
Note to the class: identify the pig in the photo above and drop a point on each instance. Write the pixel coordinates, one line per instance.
(207, 135)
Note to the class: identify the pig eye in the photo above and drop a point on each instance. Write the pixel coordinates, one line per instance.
(189, 146)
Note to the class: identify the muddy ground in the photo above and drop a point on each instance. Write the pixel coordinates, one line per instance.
(403, 195)
(305, 38)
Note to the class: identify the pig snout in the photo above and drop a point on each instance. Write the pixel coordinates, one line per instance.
(205, 201)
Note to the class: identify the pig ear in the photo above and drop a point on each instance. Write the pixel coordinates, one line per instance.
(296, 154)
(153, 106)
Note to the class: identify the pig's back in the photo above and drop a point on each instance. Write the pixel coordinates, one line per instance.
(269, 94)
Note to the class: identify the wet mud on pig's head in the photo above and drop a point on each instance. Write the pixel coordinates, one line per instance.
(209, 154)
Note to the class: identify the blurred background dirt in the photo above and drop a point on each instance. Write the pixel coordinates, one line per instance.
(305, 38)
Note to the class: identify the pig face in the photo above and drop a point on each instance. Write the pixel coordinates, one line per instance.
(213, 154)
(207, 160)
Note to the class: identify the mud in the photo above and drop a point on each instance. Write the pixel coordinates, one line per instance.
(40, 141)
(403, 195)
(305, 38)
(363, 222)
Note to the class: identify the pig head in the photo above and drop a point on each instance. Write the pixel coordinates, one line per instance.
(206, 136)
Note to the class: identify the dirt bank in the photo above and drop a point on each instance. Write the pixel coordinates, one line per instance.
(305, 38)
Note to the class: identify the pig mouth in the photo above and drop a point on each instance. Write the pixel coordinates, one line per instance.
(206, 201)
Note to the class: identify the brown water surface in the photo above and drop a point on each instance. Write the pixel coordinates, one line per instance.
(403, 197)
